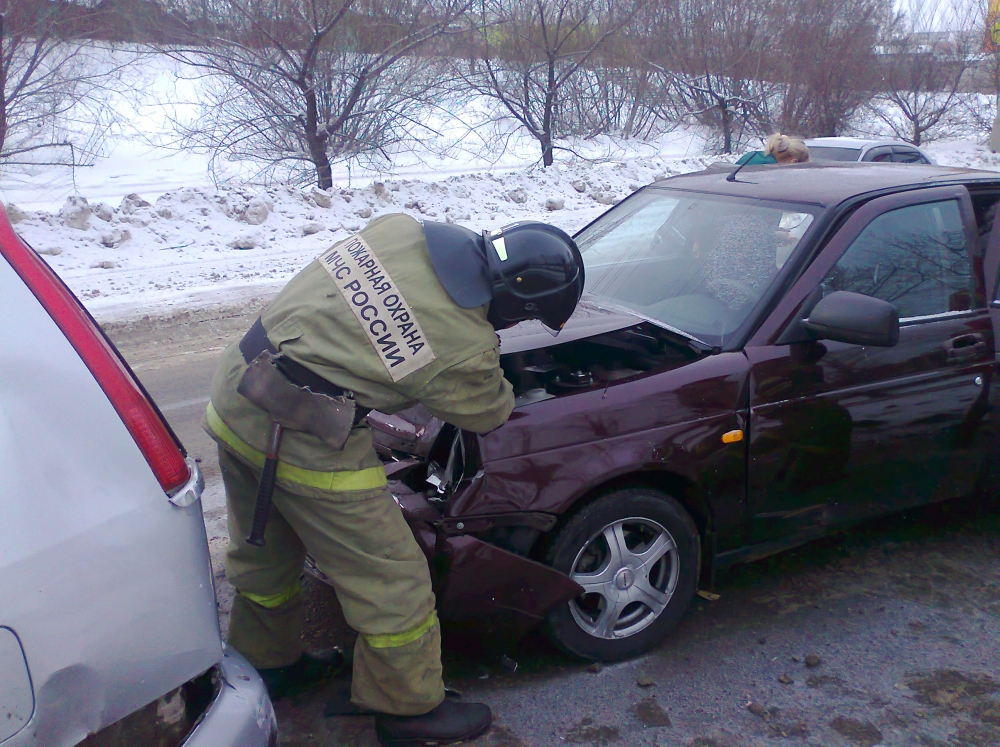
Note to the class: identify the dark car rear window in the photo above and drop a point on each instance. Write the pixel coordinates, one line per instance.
(905, 155)
(827, 153)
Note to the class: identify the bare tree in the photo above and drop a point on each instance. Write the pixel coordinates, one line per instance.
(624, 92)
(648, 103)
(977, 112)
(924, 70)
(715, 55)
(531, 53)
(628, 98)
(53, 81)
(826, 61)
(310, 82)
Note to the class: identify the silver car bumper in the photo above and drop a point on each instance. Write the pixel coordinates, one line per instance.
(241, 714)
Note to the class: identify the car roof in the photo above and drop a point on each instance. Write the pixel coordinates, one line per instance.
(853, 142)
(823, 183)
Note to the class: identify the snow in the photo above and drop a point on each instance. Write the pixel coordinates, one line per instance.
(144, 153)
(148, 227)
(198, 245)
(195, 245)
(962, 153)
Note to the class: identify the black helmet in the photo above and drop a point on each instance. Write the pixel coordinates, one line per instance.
(527, 270)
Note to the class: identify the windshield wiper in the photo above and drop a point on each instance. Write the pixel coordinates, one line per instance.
(698, 346)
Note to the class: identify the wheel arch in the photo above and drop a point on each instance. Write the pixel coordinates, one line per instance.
(681, 488)
(637, 490)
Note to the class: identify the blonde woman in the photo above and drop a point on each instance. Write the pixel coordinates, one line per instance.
(779, 149)
(786, 149)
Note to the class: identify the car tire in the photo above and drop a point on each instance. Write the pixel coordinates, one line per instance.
(611, 624)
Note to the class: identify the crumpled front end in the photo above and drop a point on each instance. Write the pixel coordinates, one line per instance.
(503, 593)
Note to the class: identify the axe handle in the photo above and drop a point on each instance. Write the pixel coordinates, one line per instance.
(265, 490)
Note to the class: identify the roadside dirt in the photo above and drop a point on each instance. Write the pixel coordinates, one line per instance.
(150, 341)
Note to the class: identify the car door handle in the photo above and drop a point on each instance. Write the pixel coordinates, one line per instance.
(965, 347)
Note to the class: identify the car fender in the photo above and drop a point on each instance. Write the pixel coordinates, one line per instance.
(480, 582)
(554, 481)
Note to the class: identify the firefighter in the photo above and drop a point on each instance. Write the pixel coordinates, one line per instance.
(399, 314)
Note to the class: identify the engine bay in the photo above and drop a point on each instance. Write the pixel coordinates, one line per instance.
(433, 459)
(598, 361)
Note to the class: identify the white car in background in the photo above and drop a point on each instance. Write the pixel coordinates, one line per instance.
(109, 632)
(859, 149)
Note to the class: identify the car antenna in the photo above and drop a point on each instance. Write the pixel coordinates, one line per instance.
(734, 172)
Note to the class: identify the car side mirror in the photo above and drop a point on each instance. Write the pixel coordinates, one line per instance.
(855, 319)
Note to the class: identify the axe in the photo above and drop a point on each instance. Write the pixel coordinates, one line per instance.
(290, 406)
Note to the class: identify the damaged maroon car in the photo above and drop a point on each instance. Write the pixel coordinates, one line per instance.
(756, 361)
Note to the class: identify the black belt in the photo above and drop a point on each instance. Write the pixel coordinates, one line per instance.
(255, 342)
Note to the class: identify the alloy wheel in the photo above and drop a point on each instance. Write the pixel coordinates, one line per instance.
(628, 571)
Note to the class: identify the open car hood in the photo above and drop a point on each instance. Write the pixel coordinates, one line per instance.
(588, 319)
(411, 432)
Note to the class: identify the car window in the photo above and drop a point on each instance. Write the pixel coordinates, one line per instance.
(907, 155)
(914, 257)
(878, 155)
(830, 153)
(634, 236)
(984, 205)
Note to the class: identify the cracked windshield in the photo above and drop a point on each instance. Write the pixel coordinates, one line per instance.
(699, 263)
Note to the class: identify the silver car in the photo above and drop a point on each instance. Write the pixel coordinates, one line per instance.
(109, 633)
(859, 149)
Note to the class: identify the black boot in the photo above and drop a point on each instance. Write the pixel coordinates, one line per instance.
(452, 721)
(309, 670)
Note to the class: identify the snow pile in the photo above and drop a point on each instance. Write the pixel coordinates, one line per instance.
(193, 240)
(962, 153)
(200, 245)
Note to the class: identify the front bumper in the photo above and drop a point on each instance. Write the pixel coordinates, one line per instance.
(241, 714)
(502, 593)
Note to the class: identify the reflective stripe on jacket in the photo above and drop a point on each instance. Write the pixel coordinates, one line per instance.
(363, 479)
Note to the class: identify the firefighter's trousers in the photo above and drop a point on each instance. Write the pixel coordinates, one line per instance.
(360, 540)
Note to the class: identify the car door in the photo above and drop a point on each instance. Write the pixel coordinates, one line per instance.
(840, 432)
(990, 236)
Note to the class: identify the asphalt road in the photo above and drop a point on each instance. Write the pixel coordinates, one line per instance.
(902, 616)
